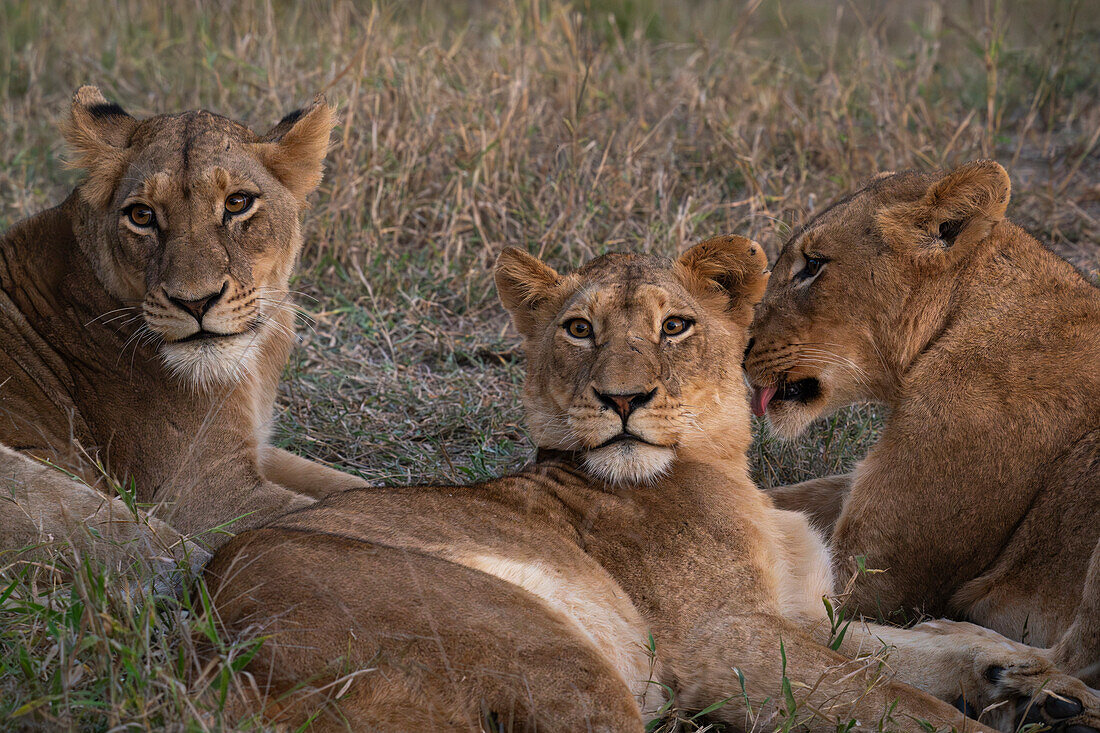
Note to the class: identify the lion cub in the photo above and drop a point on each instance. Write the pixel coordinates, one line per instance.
(145, 322)
(634, 557)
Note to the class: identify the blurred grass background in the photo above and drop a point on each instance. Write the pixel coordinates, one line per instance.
(569, 129)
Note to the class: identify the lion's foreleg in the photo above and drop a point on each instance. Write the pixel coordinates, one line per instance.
(786, 673)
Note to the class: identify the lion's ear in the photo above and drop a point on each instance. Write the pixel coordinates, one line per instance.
(731, 266)
(525, 284)
(294, 150)
(958, 209)
(98, 134)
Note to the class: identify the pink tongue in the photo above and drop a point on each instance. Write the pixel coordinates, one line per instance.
(761, 396)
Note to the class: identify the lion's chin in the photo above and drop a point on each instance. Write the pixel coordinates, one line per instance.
(212, 363)
(629, 462)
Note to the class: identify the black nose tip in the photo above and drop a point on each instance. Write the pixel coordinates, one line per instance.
(198, 307)
(625, 404)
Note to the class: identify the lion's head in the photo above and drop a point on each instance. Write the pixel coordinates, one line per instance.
(633, 359)
(859, 291)
(197, 218)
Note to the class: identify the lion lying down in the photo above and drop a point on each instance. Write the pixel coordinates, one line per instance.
(145, 322)
(634, 557)
(982, 497)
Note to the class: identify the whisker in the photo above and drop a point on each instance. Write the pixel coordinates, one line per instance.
(123, 310)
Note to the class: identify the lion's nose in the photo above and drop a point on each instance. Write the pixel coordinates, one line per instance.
(624, 404)
(198, 307)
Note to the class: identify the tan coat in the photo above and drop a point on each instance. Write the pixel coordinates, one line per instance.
(982, 497)
(635, 559)
(103, 369)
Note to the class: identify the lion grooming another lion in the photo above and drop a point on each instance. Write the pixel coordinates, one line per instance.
(981, 499)
(635, 556)
(144, 323)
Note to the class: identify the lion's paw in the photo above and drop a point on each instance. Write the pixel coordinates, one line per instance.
(1062, 703)
(1010, 685)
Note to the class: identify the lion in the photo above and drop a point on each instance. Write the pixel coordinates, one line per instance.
(635, 556)
(145, 323)
(981, 497)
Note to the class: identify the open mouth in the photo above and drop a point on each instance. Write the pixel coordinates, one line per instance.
(804, 390)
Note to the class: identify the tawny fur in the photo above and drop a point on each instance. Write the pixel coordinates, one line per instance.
(532, 599)
(981, 499)
(98, 364)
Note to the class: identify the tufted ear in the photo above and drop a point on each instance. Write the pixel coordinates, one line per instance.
(98, 134)
(958, 210)
(731, 267)
(525, 284)
(294, 150)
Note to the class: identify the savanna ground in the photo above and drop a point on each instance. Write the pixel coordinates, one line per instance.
(567, 129)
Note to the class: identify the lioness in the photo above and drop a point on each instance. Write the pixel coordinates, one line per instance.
(144, 324)
(634, 556)
(981, 499)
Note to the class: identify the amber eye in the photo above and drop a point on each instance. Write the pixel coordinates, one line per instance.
(238, 203)
(578, 328)
(141, 216)
(674, 326)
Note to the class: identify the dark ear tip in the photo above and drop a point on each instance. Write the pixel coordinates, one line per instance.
(291, 117)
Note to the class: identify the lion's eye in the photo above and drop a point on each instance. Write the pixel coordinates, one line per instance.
(813, 266)
(578, 328)
(239, 202)
(141, 216)
(674, 326)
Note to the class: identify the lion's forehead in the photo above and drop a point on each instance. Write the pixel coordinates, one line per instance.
(623, 301)
(173, 188)
(176, 155)
(188, 130)
(627, 287)
(845, 221)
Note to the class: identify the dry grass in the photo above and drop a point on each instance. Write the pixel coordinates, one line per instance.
(566, 129)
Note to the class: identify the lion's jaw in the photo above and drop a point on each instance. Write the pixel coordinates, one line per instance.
(220, 348)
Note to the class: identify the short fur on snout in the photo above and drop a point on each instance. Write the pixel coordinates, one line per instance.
(685, 385)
